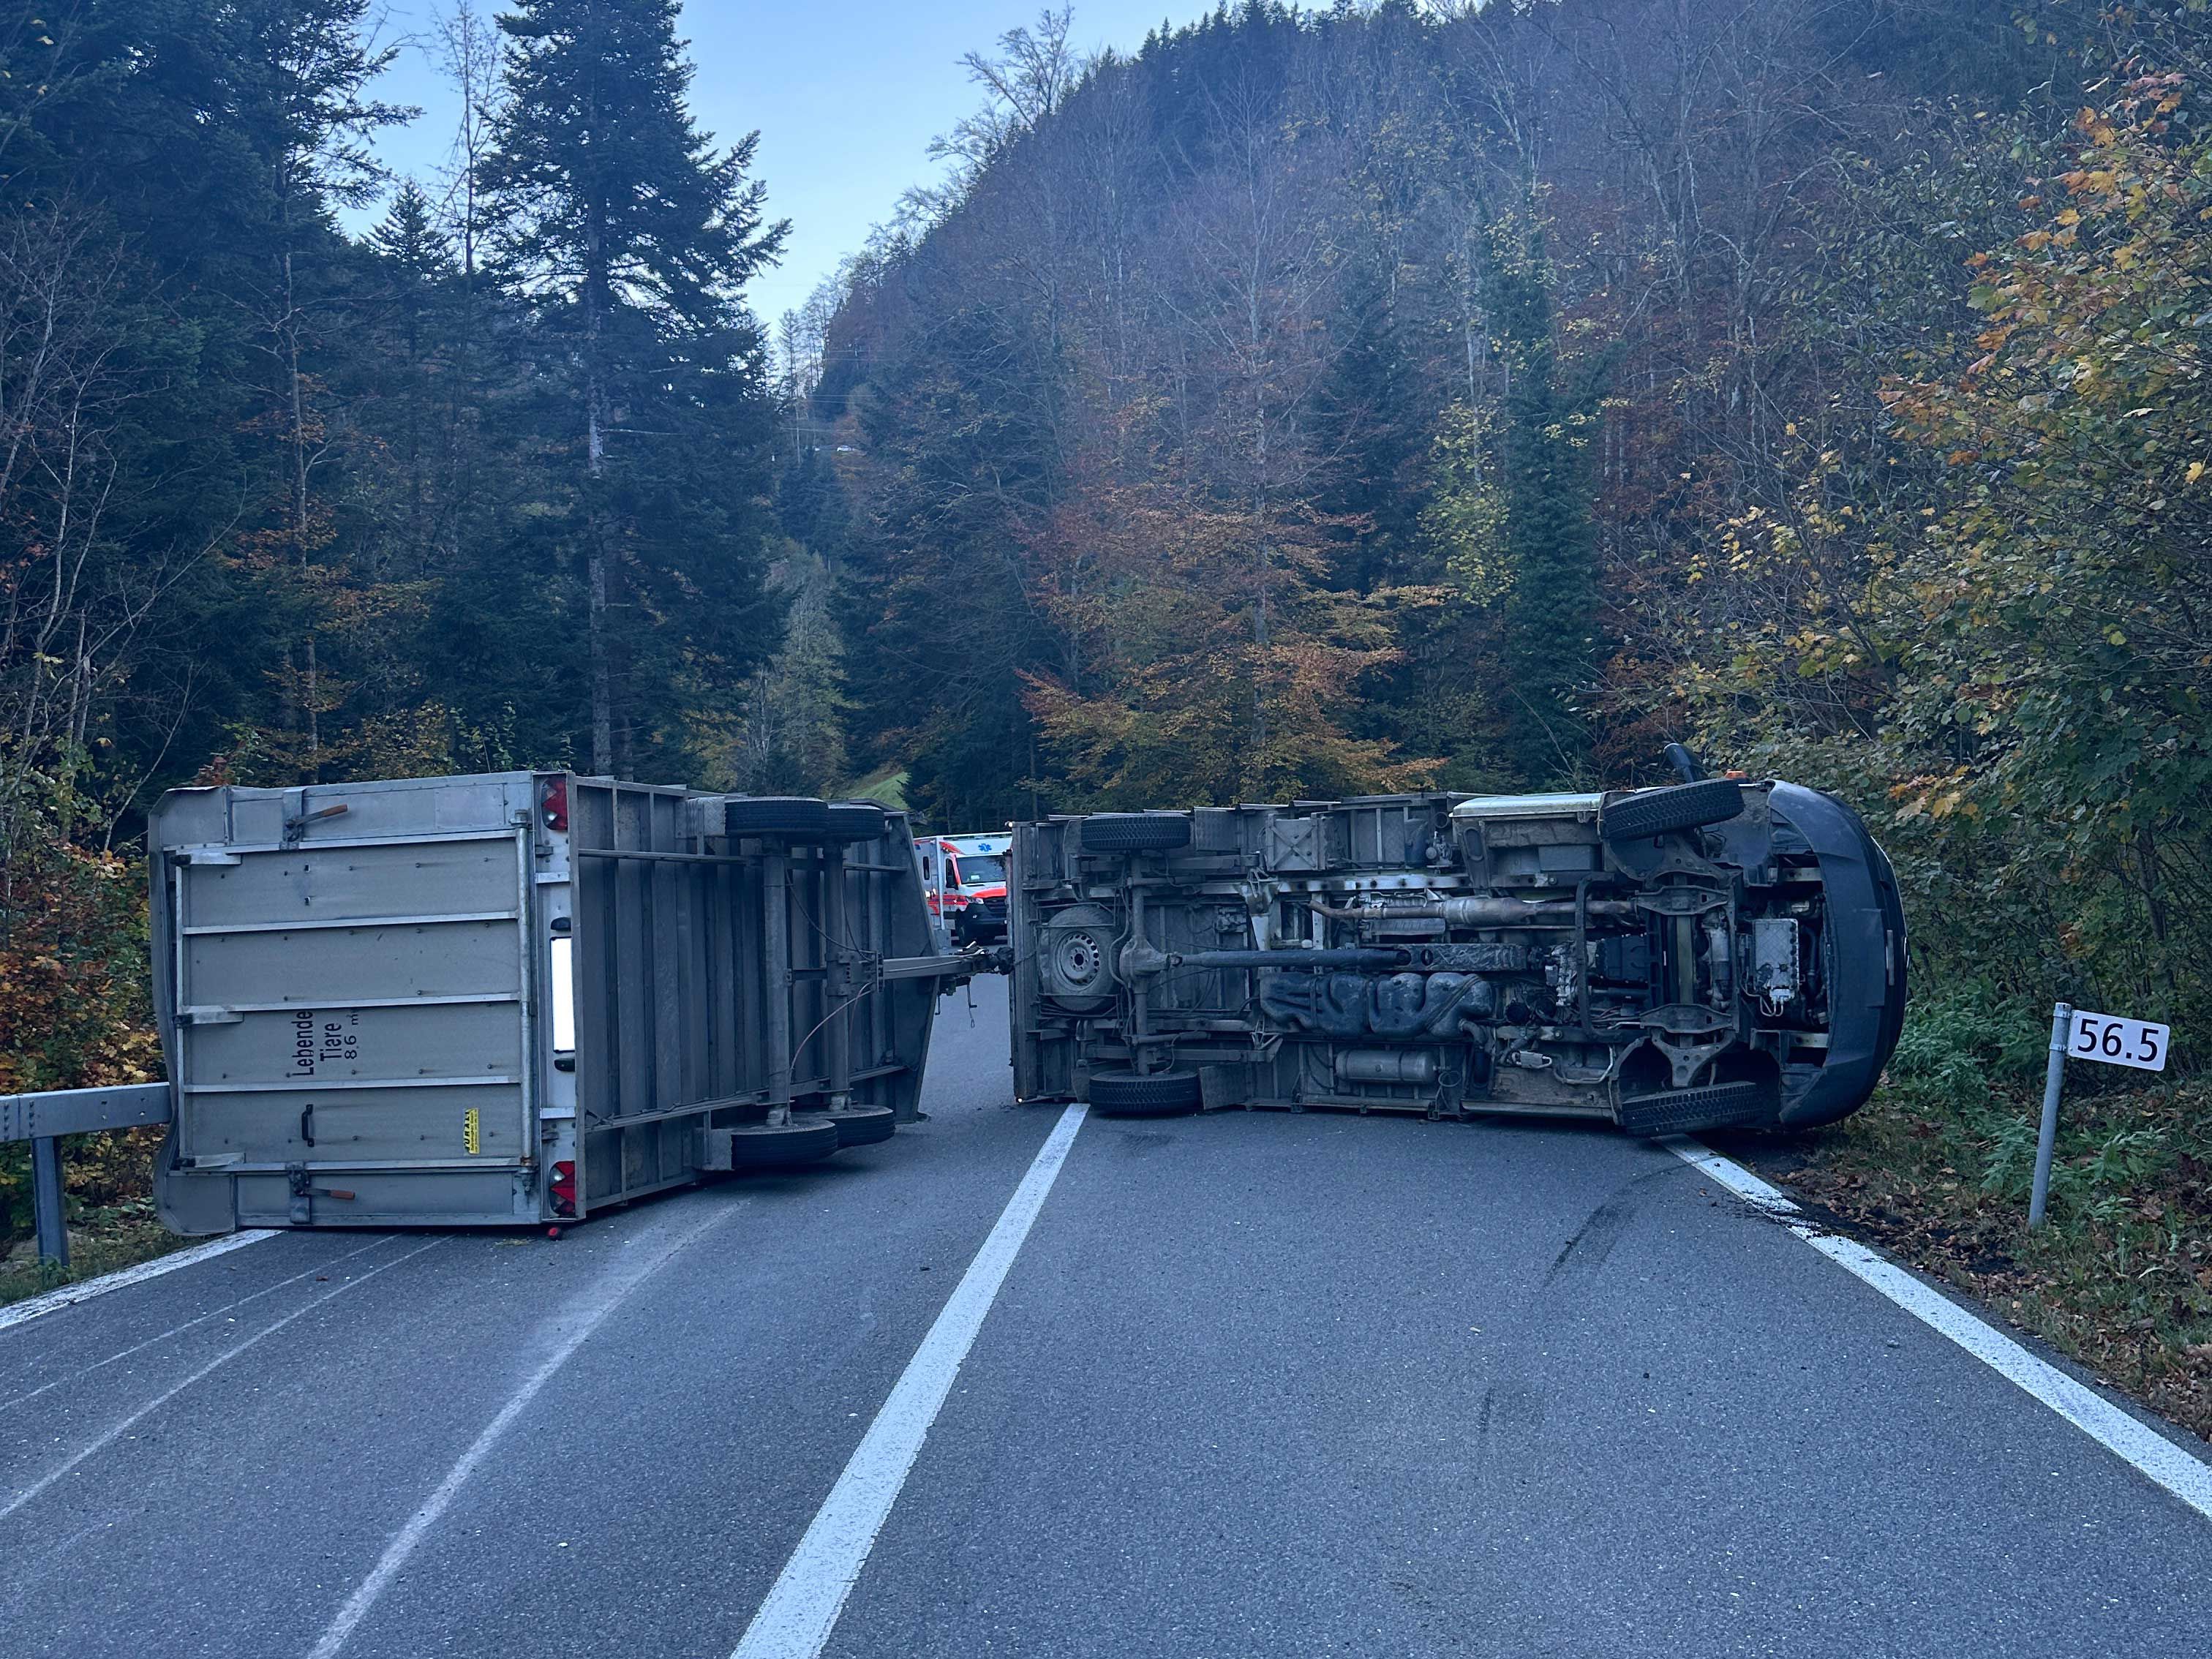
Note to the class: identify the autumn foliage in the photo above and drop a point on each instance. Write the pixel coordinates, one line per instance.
(1205, 661)
(75, 1011)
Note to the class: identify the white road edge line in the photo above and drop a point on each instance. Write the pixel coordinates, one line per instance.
(68, 1296)
(570, 1328)
(802, 1606)
(115, 1431)
(2151, 1454)
(316, 1270)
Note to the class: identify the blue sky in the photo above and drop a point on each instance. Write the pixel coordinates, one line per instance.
(846, 97)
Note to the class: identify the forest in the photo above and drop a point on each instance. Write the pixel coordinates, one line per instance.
(1311, 402)
(1480, 396)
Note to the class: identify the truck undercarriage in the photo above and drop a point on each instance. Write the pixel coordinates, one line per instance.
(1705, 955)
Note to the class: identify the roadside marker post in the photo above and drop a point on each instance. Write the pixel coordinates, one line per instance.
(2110, 1039)
(2054, 1080)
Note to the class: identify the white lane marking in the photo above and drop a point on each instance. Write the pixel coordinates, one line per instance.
(70, 1295)
(115, 1431)
(801, 1609)
(178, 1330)
(1732, 1176)
(2187, 1476)
(567, 1332)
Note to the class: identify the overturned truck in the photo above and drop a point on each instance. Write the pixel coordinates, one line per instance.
(1706, 955)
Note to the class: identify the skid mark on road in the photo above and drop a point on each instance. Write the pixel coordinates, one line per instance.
(1601, 1229)
(2187, 1476)
(117, 1430)
(1594, 1240)
(559, 1337)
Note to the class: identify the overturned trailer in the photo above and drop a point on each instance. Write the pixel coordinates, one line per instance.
(1704, 955)
(523, 997)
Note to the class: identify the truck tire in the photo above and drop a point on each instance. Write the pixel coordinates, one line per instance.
(1156, 1094)
(857, 1125)
(788, 817)
(783, 1145)
(1135, 832)
(1682, 806)
(1689, 1111)
(855, 821)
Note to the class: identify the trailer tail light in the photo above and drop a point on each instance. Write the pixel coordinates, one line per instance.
(563, 1187)
(554, 803)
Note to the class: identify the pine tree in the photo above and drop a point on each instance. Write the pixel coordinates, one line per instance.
(1548, 543)
(631, 235)
(1370, 428)
(300, 75)
(416, 266)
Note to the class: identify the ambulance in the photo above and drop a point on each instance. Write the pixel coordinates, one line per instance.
(965, 880)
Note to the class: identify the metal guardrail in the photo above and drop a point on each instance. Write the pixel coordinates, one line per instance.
(42, 1119)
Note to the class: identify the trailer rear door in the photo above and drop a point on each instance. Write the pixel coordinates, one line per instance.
(353, 1036)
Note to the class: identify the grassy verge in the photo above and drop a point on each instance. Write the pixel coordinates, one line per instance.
(111, 1222)
(1937, 1168)
(101, 1241)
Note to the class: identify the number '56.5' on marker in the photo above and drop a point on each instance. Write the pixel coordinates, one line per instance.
(2119, 1042)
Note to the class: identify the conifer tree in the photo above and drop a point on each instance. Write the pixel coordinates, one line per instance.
(630, 235)
(417, 266)
(298, 80)
(1547, 541)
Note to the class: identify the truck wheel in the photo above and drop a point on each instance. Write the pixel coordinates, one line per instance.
(791, 818)
(1155, 1094)
(858, 1126)
(781, 1145)
(855, 821)
(1682, 806)
(1690, 1111)
(1135, 832)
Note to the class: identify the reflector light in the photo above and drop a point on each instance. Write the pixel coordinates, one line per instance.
(563, 1187)
(554, 803)
(563, 957)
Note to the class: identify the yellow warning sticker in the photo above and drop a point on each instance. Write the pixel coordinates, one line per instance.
(469, 1136)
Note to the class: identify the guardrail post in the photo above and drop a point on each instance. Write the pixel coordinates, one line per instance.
(41, 1118)
(46, 1206)
(2054, 1079)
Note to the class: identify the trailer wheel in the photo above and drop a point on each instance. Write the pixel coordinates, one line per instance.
(1135, 832)
(781, 1145)
(1155, 1094)
(855, 821)
(793, 818)
(1682, 806)
(857, 1125)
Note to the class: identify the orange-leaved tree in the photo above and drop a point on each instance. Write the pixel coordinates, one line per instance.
(1204, 660)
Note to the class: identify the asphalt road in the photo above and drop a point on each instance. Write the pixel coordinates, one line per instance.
(1256, 1384)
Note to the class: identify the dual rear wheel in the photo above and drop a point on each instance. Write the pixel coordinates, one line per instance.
(810, 1136)
(802, 818)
